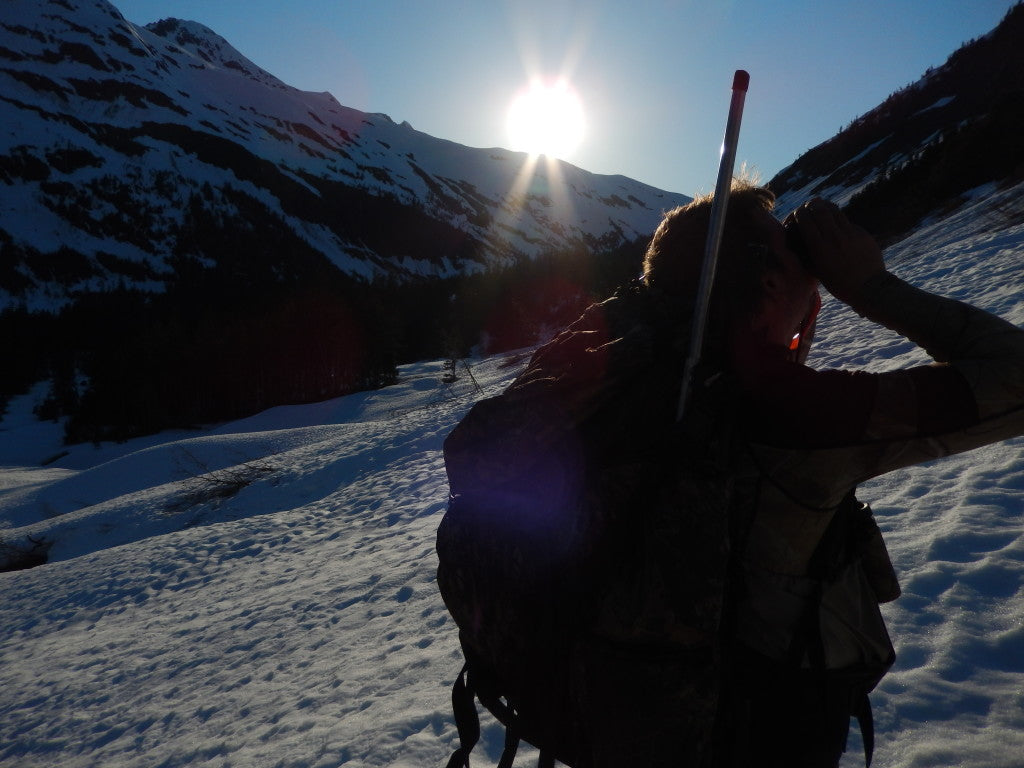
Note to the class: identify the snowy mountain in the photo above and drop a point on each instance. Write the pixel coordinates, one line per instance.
(263, 593)
(126, 150)
(928, 144)
(269, 245)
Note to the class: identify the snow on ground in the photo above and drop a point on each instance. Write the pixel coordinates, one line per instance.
(262, 593)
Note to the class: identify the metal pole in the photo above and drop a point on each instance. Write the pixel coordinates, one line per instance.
(740, 82)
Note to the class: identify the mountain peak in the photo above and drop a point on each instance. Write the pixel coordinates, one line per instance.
(130, 140)
(201, 42)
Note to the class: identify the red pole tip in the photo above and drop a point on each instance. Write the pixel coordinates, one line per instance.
(741, 80)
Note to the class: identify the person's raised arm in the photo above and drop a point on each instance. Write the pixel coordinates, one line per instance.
(985, 349)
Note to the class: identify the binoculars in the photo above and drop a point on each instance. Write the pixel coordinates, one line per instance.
(795, 242)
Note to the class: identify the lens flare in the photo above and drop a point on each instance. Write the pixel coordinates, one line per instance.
(546, 119)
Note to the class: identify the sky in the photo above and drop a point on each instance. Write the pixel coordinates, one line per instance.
(652, 77)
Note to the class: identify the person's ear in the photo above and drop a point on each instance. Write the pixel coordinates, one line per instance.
(772, 284)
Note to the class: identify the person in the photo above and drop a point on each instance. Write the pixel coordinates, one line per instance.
(804, 552)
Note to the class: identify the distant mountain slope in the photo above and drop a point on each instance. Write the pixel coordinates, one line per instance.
(186, 239)
(124, 150)
(958, 127)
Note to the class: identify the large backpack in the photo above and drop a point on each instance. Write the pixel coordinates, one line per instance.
(563, 539)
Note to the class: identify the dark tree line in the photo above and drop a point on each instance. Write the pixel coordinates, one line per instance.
(960, 159)
(234, 334)
(122, 364)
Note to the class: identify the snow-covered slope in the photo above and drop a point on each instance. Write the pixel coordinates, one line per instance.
(112, 135)
(957, 126)
(263, 593)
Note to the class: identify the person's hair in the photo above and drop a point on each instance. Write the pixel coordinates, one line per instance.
(675, 256)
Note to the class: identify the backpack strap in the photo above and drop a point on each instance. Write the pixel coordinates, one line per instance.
(508, 754)
(862, 711)
(467, 721)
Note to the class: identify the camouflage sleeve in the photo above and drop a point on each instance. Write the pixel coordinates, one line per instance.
(823, 432)
(972, 397)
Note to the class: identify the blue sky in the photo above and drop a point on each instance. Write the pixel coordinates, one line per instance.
(653, 76)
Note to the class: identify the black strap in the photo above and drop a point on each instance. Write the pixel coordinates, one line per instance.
(508, 754)
(862, 711)
(807, 640)
(467, 721)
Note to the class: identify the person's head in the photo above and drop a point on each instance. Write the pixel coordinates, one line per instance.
(761, 287)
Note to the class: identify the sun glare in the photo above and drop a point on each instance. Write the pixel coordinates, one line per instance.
(546, 119)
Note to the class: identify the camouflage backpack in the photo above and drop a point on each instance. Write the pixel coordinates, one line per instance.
(586, 531)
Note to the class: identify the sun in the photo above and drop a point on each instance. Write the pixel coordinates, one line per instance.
(546, 119)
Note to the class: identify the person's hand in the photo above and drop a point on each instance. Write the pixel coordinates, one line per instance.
(839, 253)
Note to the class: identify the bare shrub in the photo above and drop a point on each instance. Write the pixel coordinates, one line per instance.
(205, 486)
(21, 555)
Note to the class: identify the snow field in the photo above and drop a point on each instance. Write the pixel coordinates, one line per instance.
(262, 593)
